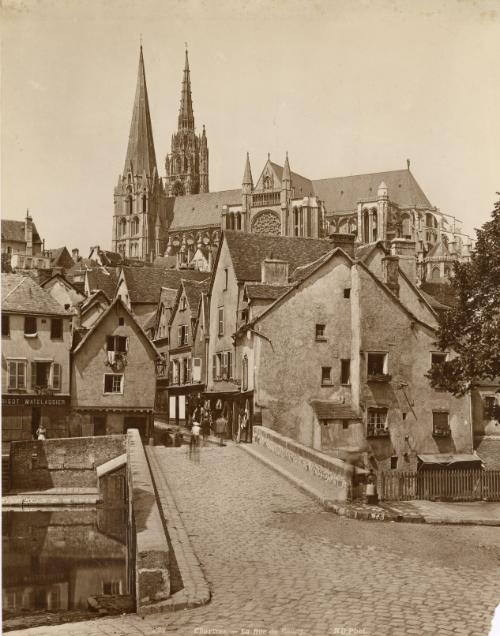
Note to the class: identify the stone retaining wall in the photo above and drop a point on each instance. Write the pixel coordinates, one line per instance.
(61, 463)
(342, 476)
(152, 579)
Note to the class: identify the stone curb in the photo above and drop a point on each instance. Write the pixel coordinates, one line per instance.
(338, 508)
(196, 591)
(20, 501)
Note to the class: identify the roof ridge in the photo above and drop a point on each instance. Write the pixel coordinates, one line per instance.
(360, 174)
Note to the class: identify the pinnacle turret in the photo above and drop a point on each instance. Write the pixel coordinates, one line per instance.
(247, 177)
(140, 156)
(286, 179)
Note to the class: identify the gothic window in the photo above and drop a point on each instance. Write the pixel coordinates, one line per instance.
(267, 182)
(435, 276)
(266, 222)
(129, 204)
(122, 227)
(144, 204)
(296, 222)
(238, 221)
(366, 226)
(406, 227)
(374, 225)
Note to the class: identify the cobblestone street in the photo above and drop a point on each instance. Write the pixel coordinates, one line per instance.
(276, 563)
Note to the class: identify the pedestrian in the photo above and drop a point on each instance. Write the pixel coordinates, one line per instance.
(194, 441)
(220, 428)
(41, 432)
(242, 429)
(205, 424)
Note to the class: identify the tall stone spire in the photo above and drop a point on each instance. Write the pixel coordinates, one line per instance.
(186, 116)
(141, 156)
(286, 179)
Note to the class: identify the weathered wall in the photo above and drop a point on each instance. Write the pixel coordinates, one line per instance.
(90, 364)
(40, 347)
(227, 298)
(385, 327)
(285, 382)
(63, 463)
(63, 294)
(339, 474)
(152, 552)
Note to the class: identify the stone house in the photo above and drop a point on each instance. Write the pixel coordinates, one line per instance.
(63, 291)
(185, 369)
(23, 245)
(485, 397)
(357, 387)
(113, 376)
(36, 342)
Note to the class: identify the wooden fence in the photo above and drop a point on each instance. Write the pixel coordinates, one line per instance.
(440, 484)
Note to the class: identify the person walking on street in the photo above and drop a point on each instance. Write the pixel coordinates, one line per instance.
(220, 428)
(205, 424)
(194, 441)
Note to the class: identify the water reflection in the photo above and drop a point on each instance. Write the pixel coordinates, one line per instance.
(55, 560)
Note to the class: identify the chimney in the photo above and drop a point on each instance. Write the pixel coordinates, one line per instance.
(274, 271)
(344, 241)
(28, 234)
(75, 254)
(390, 273)
(406, 250)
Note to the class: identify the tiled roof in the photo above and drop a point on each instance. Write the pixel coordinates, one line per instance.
(60, 257)
(14, 231)
(21, 294)
(441, 292)
(333, 411)
(200, 209)
(88, 302)
(144, 283)
(433, 302)
(261, 291)
(104, 278)
(193, 290)
(249, 250)
(438, 249)
(488, 449)
(110, 259)
(167, 262)
(341, 194)
(149, 322)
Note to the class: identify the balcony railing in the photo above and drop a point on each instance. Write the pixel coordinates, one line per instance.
(261, 199)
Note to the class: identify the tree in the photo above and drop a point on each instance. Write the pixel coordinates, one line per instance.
(471, 329)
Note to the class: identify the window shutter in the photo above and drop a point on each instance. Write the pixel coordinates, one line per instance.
(179, 331)
(12, 375)
(56, 376)
(229, 365)
(110, 343)
(33, 375)
(187, 334)
(214, 367)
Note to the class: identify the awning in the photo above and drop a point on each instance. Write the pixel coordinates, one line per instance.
(223, 387)
(448, 458)
(332, 410)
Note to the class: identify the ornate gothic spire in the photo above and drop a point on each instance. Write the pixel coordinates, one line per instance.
(286, 179)
(141, 156)
(186, 117)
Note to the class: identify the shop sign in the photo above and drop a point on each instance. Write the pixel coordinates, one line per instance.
(36, 400)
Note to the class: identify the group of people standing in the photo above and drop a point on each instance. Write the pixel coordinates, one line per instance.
(204, 420)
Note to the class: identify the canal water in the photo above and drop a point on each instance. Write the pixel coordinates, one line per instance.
(54, 560)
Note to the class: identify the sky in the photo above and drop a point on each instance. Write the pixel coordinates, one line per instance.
(346, 87)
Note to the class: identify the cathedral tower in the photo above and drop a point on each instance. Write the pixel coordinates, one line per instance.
(187, 164)
(139, 215)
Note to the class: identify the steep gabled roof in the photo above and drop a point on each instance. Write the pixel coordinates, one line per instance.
(63, 280)
(144, 283)
(194, 290)
(103, 278)
(20, 294)
(341, 194)
(439, 249)
(14, 231)
(60, 257)
(302, 186)
(262, 291)
(194, 210)
(117, 301)
(249, 250)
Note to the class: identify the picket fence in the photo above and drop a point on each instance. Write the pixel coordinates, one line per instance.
(440, 484)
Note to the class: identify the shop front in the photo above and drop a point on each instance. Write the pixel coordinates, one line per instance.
(182, 401)
(23, 415)
(235, 406)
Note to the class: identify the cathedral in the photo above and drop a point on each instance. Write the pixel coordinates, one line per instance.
(176, 216)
